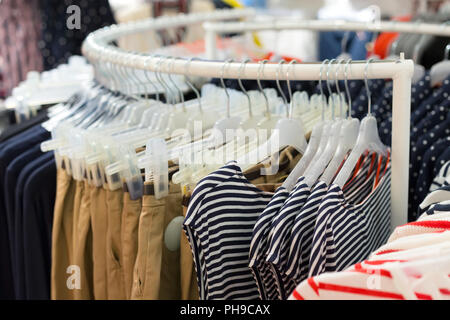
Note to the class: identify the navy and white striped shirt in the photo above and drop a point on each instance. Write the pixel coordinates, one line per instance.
(302, 234)
(279, 237)
(219, 223)
(280, 234)
(346, 234)
(260, 244)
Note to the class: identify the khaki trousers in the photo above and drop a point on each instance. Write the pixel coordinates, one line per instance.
(83, 243)
(62, 237)
(157, 268)
(129, 234)
(99, 224)
(115, 278)
(189, 286)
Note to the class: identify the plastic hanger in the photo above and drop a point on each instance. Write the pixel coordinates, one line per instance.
(368, 139)
(223, 131)
(317, 142)
(440, 70)
(419, 70)
(253, 119)
(317, 168)
(347, 139)
(288, 132)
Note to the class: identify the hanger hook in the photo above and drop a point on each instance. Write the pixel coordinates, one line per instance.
(369, 101)
(180, 93)
(173, 95)
(321, 89)
(241, 69)
(224, 87)
(330, 92)
(447, 51)
(159, 77)
(148, 79)
(186, 79)
(282, 61)
(347, 90)
(291, 104)
(258, 80)
(136, 78)
(336, 81)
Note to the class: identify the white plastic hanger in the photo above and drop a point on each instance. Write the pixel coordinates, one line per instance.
(317, 167)
(440, 70)
(288, 132)
(368, 139)
(317, 142)
(347, 139)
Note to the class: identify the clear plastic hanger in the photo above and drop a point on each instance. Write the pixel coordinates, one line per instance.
(347, 139)
(368, 139)
(323, 159)
(223, 131)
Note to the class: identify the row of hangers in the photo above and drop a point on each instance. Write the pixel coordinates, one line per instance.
(98, 131)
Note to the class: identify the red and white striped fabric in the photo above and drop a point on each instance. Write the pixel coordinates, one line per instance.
(420, 227)
(407, 267)
(379, 280)
(410, 242)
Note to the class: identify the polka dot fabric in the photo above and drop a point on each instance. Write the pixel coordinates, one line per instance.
(58, 42)
(420, 91)
(360, 104)
(418, 150)
(425, 175)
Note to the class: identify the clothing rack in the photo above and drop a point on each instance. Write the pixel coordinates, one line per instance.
(97, 49)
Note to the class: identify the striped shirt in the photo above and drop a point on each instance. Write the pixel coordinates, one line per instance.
(219, 223)
(259, 246)
(279, 237)
(281, 228)
(303, 230)
(420, 227)
(385, 280)
(345, 233)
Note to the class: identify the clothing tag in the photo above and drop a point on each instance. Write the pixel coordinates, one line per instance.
(157, 150)
(172, 235)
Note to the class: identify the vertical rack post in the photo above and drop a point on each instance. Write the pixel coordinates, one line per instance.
(401, 114)
(210, 42)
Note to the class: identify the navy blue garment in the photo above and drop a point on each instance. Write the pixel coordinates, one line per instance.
(9, 150)
(58, 41)
(12, 148)
(383, 104)
(443, 158)
(360, 104)
(436, 98)
(10, 193)
(18, 128)
(12, 173)
(425, 177)
(38, 202)
(424, 142)
(330, 44)
(433, 117)
(19, 249)
(421, 90)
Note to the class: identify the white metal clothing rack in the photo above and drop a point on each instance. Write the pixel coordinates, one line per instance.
(98, 50)
(212, 29)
